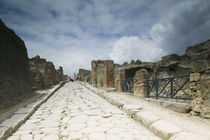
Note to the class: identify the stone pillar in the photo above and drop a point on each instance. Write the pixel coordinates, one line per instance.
(140, 83)
(75, 76)
(109, 74)
(120, 77)
(94, 73)
(100, 74)
(200, 93)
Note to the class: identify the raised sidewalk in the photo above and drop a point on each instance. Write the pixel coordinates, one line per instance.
(163, 122)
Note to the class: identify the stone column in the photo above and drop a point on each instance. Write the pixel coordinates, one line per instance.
(109, 74)
(140, 83)
(120, 77)
(94, 73)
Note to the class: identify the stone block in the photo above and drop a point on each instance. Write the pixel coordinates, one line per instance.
(147, 118)
(164, 129)
(4, 132)
(186, 136)
(194, 77)
(131, 109)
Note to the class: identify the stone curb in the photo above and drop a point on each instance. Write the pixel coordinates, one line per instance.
(154, 123)
(10, 125)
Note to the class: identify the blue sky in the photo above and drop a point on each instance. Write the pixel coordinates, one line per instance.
(71, 33)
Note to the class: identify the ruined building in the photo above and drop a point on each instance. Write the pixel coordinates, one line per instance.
(185, 77)
(192, 70)
(44, 73)
(15, 78)
(59, 74)
(102, 73)
(83, 75)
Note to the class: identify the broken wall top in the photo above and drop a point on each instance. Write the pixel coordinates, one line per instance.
(196, 58)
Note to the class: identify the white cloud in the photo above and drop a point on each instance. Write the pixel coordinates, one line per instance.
(72, 33)
(127, 48)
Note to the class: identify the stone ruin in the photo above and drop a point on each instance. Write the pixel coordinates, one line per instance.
(19, 75)
(83, 75)
(102, 74)
(15, 79)
(195, 63)
(44, 73)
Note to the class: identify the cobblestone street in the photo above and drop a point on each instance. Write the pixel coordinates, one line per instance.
(74, 113)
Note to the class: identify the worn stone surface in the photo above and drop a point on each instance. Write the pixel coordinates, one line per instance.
(164, 129)
(200, 93)
(80, 115)
(131, 109)
(146, 117)
(184, 121)
(186, 136)
(15, 81)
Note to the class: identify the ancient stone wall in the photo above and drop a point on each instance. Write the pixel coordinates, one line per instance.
(140, 83)
(15, 76)
(200, 79)
(94, 73)
(83, 75)
(44, 73)
(116, 67)
(59, 74)
(120, 77)
(109, 74)
(102, 74)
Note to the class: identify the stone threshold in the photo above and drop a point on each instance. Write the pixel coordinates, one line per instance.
(157, 125)
(10, 125)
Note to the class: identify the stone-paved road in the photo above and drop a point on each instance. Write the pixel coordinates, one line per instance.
(74, 113)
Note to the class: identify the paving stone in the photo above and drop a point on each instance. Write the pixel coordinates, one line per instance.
(92, 123)
(38, 136)
(14, 138)
(52, 130)
(78, 119)
(115, 130)
(26, 137)
(113, 137)
(75, 135)
(51, 137)
(76, 127)
(186, 136)
(97, 136)
(74, 112)
(164, 129)
(126, 135)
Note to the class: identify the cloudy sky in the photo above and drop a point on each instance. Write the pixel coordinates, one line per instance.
(71, 33)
